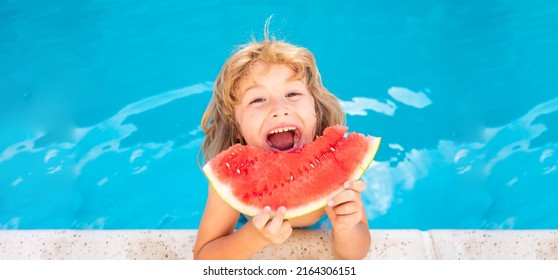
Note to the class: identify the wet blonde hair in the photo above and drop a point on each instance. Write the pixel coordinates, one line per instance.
(219, 123)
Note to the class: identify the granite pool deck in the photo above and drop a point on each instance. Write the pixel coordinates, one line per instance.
(303, 244)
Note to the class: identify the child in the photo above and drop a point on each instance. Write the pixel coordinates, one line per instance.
(263, 87)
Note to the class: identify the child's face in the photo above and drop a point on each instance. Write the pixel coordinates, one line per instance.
(275, 112)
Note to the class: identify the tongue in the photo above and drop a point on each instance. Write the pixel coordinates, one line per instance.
(282, 140)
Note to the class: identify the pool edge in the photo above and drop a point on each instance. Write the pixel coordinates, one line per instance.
(406, 244)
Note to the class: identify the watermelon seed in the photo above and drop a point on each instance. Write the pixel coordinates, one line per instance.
(291, 177)
(238, 171)
(332, 149)
(311, 165)
(228, 165)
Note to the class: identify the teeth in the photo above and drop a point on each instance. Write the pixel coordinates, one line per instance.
(282, 129)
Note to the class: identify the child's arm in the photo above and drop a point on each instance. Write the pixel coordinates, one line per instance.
(217, 239)
(350, 233)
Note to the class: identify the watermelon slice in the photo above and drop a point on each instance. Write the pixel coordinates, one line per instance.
(250, 178)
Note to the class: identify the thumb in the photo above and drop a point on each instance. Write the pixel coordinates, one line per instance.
(329, 211)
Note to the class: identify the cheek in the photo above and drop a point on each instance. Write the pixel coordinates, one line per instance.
(240, 123)
(312, 114)
(248, 126)
(313, 117)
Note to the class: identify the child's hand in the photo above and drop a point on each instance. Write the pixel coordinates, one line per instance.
(275, 230)
(345, 209)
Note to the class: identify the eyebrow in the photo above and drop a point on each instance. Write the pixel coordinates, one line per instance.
(255, 85)
(252, 87)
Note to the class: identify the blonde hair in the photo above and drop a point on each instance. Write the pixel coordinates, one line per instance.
(218, 122)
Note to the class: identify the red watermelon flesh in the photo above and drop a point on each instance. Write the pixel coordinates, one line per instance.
(250, 178)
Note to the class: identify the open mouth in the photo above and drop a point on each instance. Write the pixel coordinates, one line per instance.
(284, 138)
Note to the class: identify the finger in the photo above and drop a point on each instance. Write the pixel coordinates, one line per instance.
(347, 208)
(358, 185)
(349, 220)
(260, 220)
(286, 230)
(284, 233)
(344, 196)
(330, 213)
(275, 224)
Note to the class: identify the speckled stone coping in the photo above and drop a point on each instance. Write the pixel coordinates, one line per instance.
(304, 244)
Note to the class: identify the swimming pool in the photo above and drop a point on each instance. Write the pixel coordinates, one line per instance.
(100, 105)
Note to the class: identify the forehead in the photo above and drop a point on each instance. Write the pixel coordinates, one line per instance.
(259, 69)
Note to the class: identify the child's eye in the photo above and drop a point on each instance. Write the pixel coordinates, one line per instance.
(291, 94)
(257, 100)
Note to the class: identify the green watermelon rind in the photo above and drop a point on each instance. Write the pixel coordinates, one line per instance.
(225, 191)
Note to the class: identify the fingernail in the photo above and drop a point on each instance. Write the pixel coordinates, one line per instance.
(347, 185)
(330, 202)
(282, 209)
(267, 209)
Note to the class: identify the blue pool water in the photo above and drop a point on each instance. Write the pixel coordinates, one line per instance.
(100, 103)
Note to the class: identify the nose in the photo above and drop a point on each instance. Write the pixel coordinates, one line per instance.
(279, 114)
(279, 108)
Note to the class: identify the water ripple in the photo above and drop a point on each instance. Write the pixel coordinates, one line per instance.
(114, 130)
